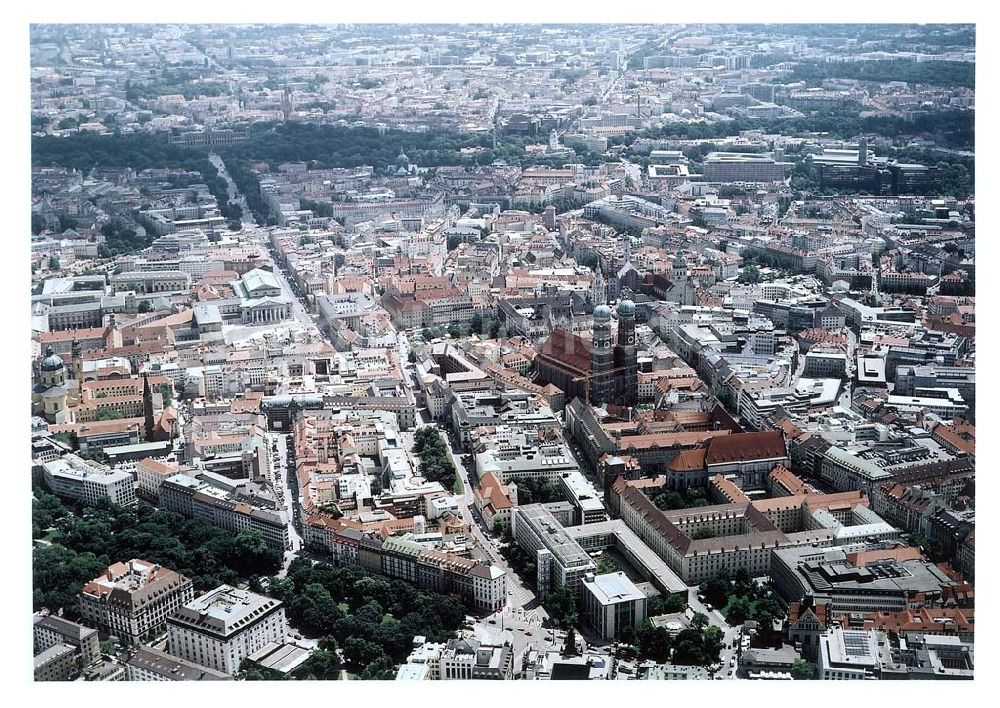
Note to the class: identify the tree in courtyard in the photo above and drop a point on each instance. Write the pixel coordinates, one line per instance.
(669, 500)
(749, 274)
(739, 611)
(802, 670)
(717, 591)
(766, 612)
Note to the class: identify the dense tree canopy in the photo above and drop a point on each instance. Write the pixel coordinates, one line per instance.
(371, 617)
(936, 73)
(435, 464)
(534, 490)
(803, 670)
(138, 151)
(954, 129)
(88, 539)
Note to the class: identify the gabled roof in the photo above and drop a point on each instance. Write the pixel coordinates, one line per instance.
(739, 447)
(257, 278)
(688, 461)
(493, 492)
(568, 349)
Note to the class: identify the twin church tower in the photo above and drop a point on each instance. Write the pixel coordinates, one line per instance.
(614, 368)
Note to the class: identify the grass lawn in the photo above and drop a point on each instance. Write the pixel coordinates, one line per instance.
(458, 488)
(50, 535)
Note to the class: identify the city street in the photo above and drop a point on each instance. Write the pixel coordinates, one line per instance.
(523, 629)
(716, 619)
(520, 595)
(234, 193)
(299, 311)
(282, 473)
(846, 392)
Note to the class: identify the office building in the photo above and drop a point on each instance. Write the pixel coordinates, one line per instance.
(878, 578)
(149, 664)
(846, 471)
(224, 626)
(88, 482)
(132, 600)
(560, 560)
(468, 659)
(458, 659)
(848, 655)
(743, 167)
(612, 602)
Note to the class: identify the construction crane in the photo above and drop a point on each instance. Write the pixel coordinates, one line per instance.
(587, 377)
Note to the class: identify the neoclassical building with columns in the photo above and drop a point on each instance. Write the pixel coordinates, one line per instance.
(261, 301)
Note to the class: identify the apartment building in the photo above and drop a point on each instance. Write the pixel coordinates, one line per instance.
(50, 630)
(193, 497)
(482, 584)
(56, 663)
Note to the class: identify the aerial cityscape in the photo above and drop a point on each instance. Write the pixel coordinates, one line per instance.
(502, 352)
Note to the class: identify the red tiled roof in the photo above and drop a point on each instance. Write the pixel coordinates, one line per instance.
(728, 489)
(688, 461)
(568, 349)
(746, 446)
(493, 492)
(664, 440)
